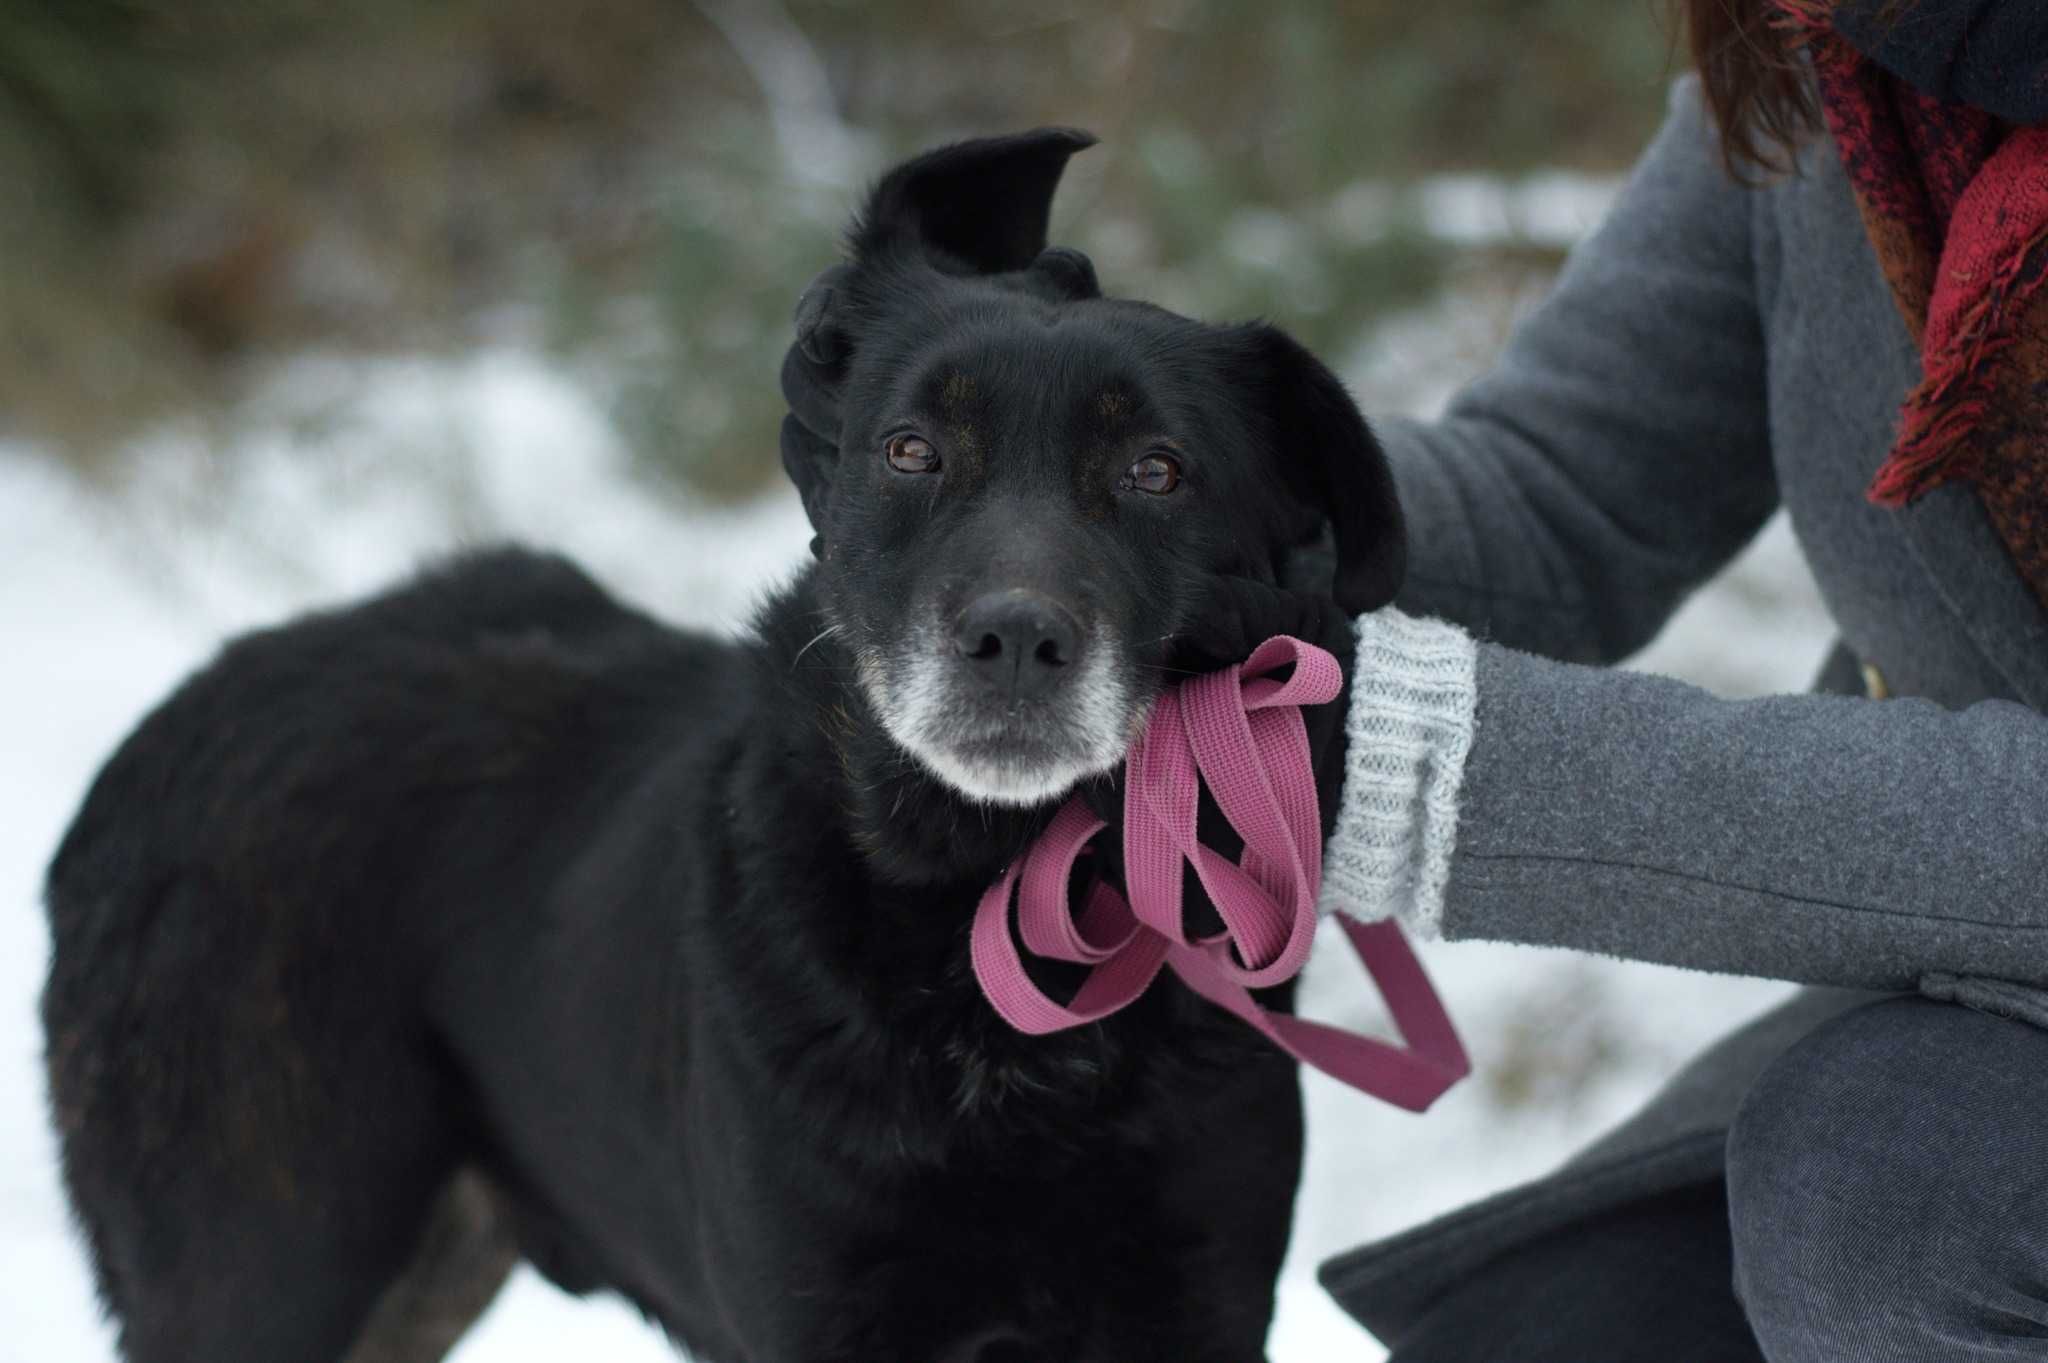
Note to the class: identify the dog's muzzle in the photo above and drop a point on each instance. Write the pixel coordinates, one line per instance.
(1011, 700)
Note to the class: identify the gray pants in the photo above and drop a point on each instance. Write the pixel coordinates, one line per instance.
(1886, 1202)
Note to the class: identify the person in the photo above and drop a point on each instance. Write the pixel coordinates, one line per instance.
(1821, 289)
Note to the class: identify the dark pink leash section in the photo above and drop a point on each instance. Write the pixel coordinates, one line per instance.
(1241, 731)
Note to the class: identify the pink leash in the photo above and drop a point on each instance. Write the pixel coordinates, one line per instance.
(1242, 732)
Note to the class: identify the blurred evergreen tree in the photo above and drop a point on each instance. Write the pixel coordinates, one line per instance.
(196, 185)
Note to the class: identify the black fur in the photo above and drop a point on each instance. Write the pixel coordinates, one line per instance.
(666, 935)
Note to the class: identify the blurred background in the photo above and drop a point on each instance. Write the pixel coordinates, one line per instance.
(293, 295)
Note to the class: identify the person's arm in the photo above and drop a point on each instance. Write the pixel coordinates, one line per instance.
(1814, 838)
(1990, 54)
(1489, 793)
(1618, 454)
(1564, 506)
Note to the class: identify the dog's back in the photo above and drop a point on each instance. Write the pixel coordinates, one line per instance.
(247, 908)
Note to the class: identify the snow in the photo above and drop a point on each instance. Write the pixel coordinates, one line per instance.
(358, 470)
(1551, 209)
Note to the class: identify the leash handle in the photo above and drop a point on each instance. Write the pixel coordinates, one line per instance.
(1241, 731)
(1411, 1077)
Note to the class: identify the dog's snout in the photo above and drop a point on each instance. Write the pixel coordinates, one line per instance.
(1022, 642)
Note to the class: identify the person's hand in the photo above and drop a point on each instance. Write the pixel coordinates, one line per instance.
(1235, 616)
(1389, 753)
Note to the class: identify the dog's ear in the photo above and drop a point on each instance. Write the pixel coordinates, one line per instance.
(982, 206)
(984, 203)
(1333, 465)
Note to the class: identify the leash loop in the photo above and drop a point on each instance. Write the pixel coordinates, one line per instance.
(1239, 731)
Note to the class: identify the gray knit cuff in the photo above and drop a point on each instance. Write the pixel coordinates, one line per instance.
(1410, 727)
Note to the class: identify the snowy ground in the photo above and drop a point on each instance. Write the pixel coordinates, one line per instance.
(108, 600)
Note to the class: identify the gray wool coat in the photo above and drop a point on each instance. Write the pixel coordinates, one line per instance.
(1711, 353)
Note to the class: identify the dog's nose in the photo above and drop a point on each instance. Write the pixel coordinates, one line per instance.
(1023, 642)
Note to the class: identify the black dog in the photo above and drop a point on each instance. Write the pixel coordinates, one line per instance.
(491, 918)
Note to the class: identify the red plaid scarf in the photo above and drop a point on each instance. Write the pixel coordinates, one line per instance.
(1956, 205)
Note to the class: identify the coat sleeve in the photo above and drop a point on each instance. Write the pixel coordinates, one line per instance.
(1563, 507)
(1618, 453)
(1815, 838)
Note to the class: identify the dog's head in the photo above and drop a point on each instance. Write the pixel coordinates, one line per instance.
(1032, 481)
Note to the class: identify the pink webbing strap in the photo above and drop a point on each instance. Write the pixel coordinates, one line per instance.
(1240, 731)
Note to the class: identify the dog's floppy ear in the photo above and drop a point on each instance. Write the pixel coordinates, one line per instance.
(1332, 464)
(984, 203)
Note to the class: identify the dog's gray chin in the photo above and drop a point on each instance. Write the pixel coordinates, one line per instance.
(1008, 781)
(1015, 769)
(997, 758)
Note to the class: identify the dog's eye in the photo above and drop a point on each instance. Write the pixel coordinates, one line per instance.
(911, 454)
(1157, 473)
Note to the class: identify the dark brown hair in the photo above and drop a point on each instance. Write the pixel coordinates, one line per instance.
(1758, 91)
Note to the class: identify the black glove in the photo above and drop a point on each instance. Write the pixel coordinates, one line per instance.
(1236, 615)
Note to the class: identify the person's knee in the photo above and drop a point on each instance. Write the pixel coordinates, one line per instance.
(1887, 1177)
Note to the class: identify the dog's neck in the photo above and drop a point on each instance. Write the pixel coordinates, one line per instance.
(901, 960)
